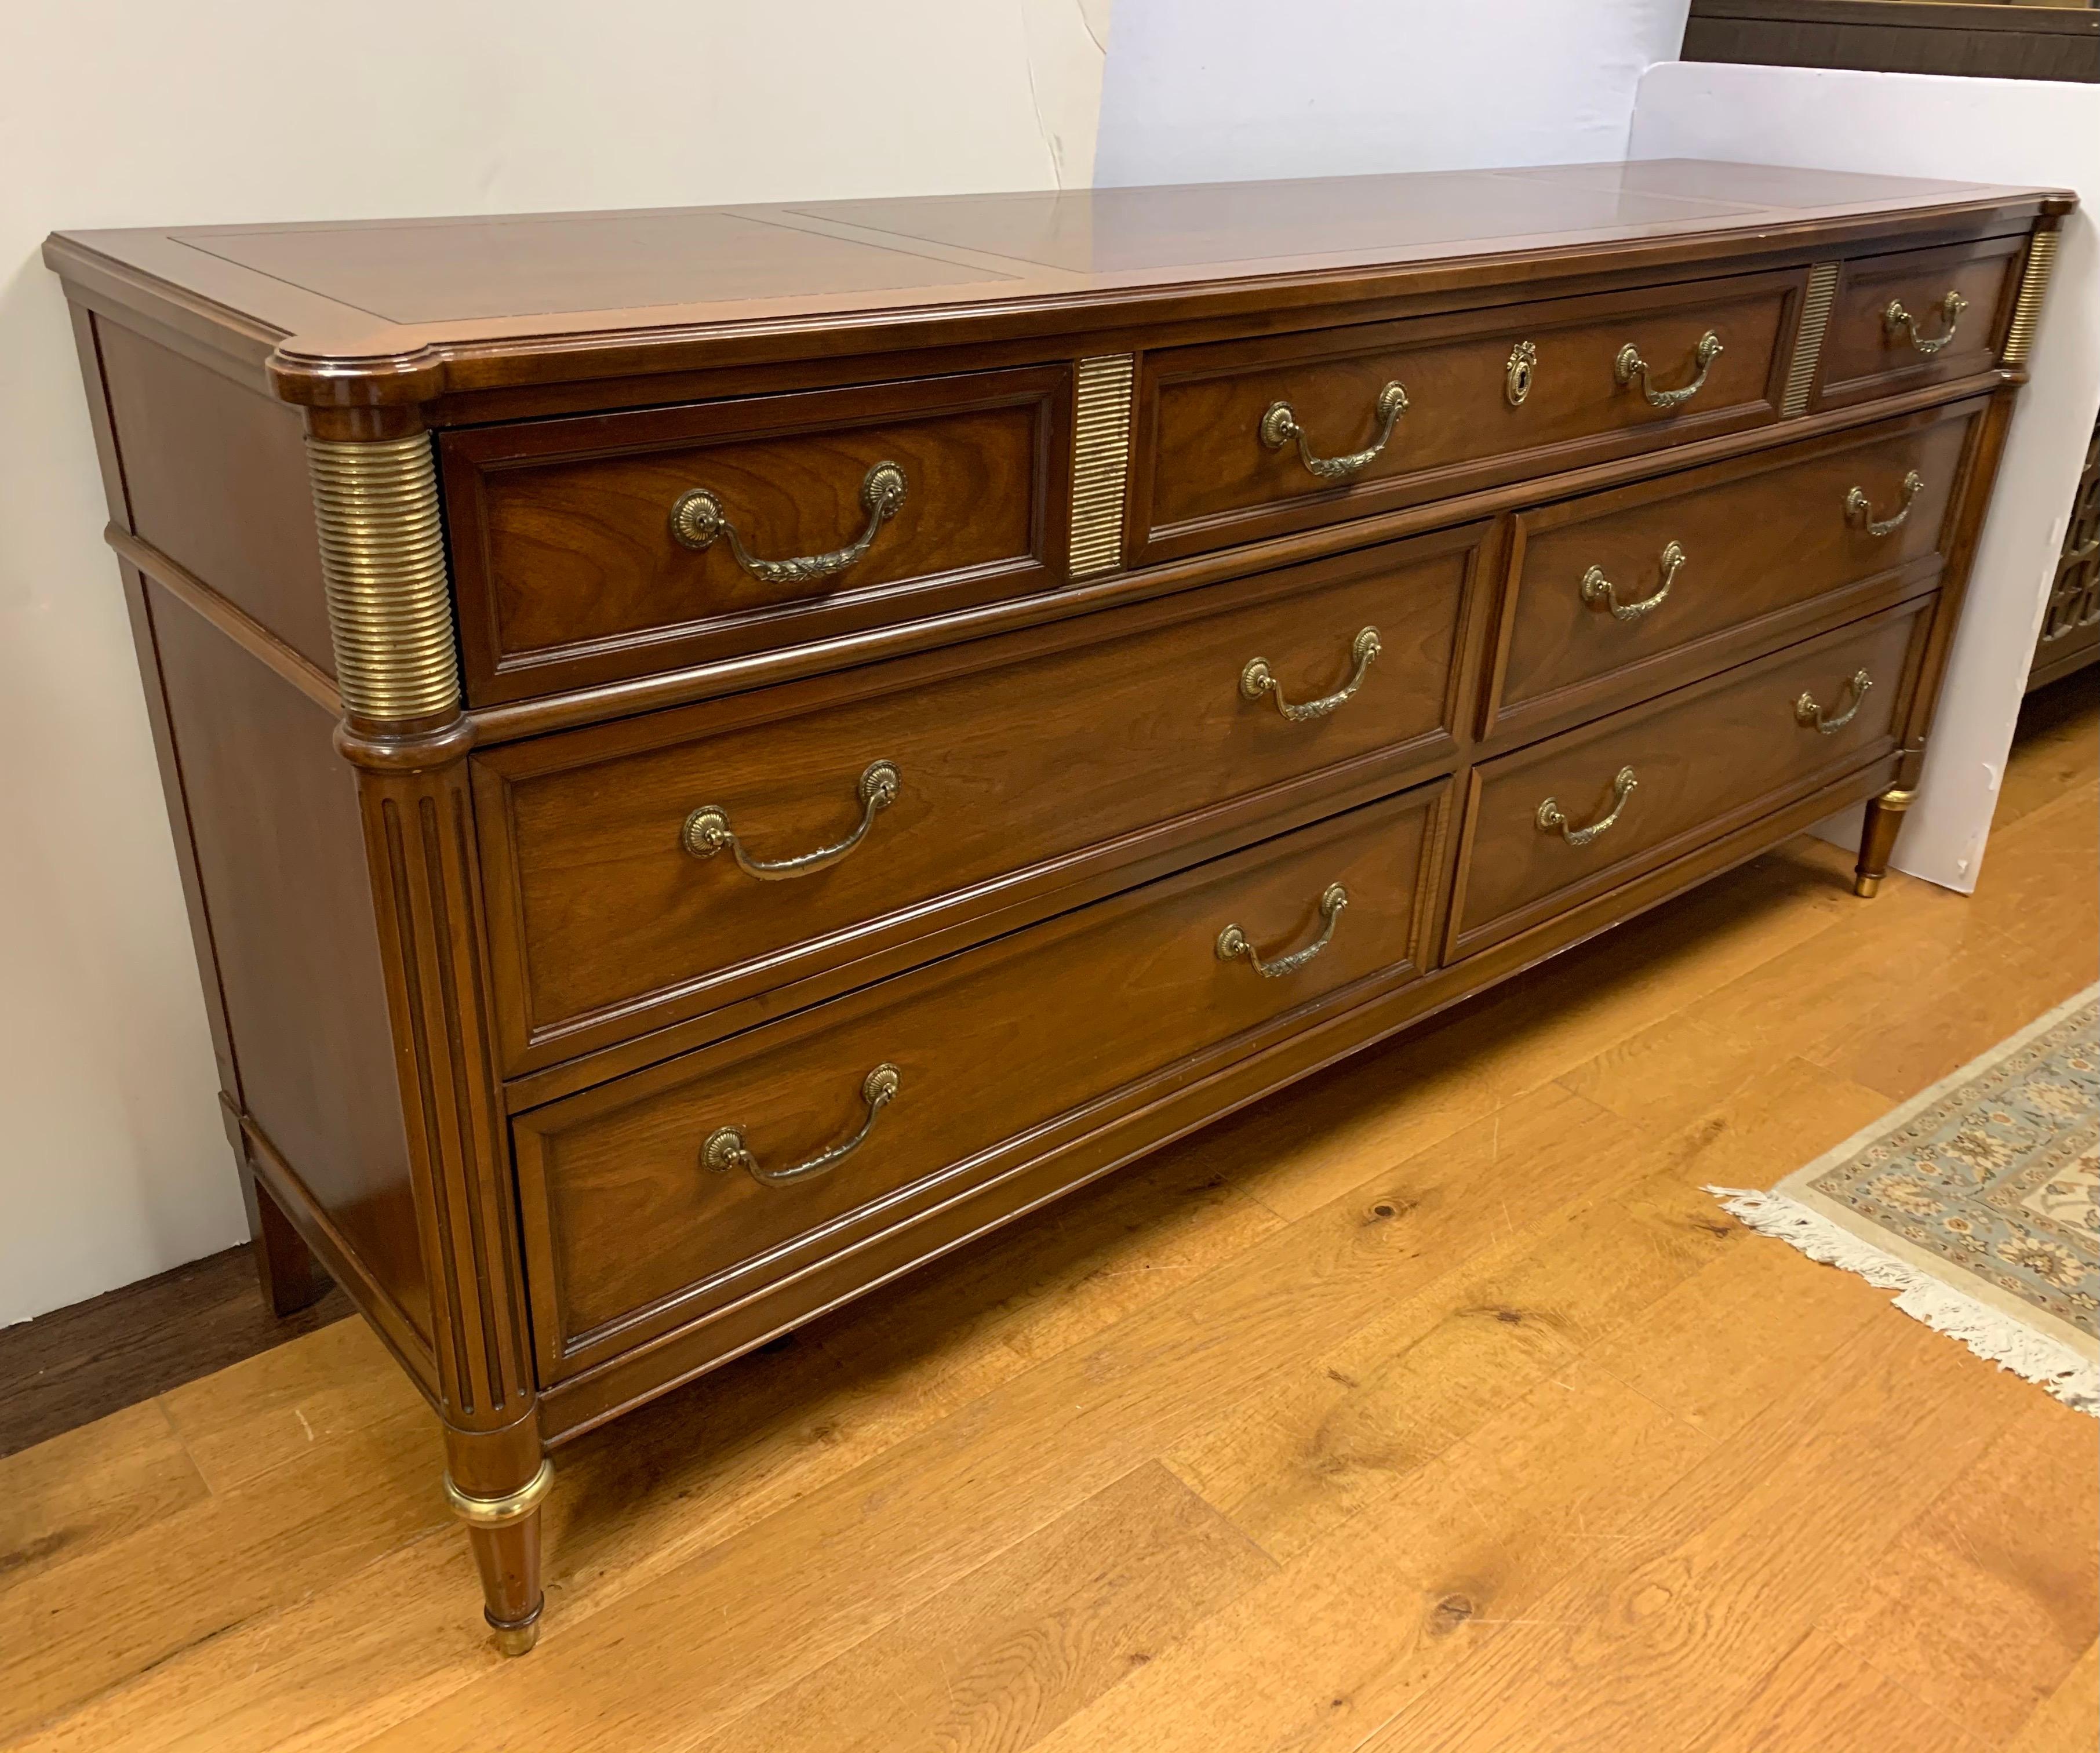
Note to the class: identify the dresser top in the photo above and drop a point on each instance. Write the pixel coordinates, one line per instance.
(437, 304)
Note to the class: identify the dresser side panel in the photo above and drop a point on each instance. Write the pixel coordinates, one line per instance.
(216, 477)
(281, 862)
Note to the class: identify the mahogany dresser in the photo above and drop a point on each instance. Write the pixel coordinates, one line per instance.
(717, 754)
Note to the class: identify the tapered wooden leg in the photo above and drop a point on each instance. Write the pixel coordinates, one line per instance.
(496, 1481)
(292, 1278)
(1885, 816)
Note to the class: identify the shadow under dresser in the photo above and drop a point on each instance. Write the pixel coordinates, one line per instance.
(717, 754)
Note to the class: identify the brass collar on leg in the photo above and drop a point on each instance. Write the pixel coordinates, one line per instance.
(497, 1512)
(1897, 800)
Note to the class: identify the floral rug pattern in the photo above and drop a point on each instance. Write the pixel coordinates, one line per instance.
(2000, 1174)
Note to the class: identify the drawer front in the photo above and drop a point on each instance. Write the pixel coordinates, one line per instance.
(1619, 595)
(1893, 328)
(1127, 731)
(1555, 825)
(1488, 396)
(613, 545)
(650, 1201)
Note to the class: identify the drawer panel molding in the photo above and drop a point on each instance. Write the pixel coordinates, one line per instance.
(654, 1200)
(1245, 439)
(660, 870)
(1553, 825)
(1616, 595)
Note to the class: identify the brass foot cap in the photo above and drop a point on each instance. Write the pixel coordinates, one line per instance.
(1866, 887)
(514, 1639)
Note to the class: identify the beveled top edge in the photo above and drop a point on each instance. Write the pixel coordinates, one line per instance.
(917, 271)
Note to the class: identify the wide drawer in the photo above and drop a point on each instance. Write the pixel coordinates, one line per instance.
(1557, 823)
(1904, 321)
(653, 1200)
(1243, 438)
(611, 546)
(646, 871)
(1615, 596)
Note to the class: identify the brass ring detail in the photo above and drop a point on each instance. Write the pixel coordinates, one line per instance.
(495, 1512)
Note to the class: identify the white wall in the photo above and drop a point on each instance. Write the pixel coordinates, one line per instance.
(1217, 90)
(113, 1163)
(1993, 130)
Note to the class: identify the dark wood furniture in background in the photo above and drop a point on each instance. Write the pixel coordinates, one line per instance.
(716, 755)
(2069, 636)
(1992, 41)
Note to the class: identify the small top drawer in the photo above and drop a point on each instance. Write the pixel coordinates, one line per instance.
(1246, 438)
(1898, 322)
(1617, 595)
(593, 549)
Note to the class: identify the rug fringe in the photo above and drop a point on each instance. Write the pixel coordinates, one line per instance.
(1989, 1332)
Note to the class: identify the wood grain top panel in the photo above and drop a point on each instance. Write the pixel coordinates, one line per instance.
(449, 270)
(404, 310)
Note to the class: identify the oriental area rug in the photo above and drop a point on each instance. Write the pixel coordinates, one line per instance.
(1977, 1201)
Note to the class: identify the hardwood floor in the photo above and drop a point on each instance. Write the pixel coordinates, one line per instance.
(1492, 1434)
(75, 1365)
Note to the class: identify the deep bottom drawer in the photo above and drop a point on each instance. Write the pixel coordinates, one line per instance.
(1553, 825)
(653, 1200)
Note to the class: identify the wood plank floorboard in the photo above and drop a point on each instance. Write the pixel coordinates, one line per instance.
(1429, 1404)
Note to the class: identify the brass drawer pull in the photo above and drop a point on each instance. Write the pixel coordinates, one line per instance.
(697, 519)
(706, 831)
(1629, 365)
(1806, 713)
(1901, 325)
(1596, 588)
(1552, 821)
(725, 1149)
(1279, 427)
(1860, 508)
(1232, 942)
(1257, 679)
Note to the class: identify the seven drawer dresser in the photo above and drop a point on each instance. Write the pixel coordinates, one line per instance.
(717, 754)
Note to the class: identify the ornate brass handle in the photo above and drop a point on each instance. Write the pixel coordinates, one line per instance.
(1902, 325)
(1629, 365)
(725, 1149)
(1279, 427)
(1808, 714)
(1232, 942)
(1596, 588)
(1257, 679)
(1552, 821)
(697, 519)
(708, 831)
(1860, 508)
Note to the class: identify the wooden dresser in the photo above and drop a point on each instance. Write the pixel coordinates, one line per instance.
(717, 754)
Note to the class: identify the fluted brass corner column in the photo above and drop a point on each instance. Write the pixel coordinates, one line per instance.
(391, 614)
